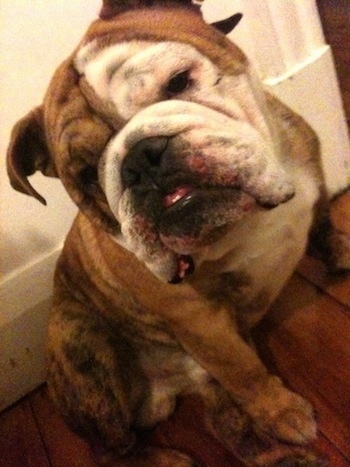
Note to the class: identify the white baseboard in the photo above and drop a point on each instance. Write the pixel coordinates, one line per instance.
(25, 302)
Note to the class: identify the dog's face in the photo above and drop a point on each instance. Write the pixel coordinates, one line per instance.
(172, 131)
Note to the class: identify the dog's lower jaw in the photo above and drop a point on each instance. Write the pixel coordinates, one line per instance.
(171, 244)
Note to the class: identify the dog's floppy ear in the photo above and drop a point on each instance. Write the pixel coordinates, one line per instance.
(28, 152)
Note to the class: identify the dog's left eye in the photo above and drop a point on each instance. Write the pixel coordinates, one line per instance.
(178, 83)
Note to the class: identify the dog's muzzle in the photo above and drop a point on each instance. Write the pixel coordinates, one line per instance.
(179, 175)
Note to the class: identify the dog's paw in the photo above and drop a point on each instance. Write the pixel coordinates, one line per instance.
(283, 414)
(306, 460)
(295, 424)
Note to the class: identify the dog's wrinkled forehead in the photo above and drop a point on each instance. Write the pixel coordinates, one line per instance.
(160, 25)
(135, 54)
(133, 75)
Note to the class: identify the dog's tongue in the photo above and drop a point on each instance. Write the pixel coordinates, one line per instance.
(177, 195)
(185, 267)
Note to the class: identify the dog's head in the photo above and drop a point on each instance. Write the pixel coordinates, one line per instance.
(159, 132)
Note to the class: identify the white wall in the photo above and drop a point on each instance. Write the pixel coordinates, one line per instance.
(284, 40)
(35, 36)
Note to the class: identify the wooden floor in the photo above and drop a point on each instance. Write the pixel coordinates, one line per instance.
(306, 340)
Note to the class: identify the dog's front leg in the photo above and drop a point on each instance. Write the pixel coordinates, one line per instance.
(209, 334)
(234, 429)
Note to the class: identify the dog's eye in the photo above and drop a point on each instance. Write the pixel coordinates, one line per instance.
(178, 83)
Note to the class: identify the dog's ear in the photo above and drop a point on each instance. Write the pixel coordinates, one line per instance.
(28, 152)
(227, 25)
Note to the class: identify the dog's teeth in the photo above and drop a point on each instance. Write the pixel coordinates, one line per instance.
(176, 196)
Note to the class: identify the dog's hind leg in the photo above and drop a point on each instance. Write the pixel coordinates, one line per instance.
(87, 378)
(330, 239)
(339, 236)
(94, 380)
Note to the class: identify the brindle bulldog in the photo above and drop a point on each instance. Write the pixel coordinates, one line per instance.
(197, 192)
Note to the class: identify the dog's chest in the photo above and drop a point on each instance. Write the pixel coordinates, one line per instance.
(268, 246)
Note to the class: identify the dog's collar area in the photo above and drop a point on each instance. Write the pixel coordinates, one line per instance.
(185, 267)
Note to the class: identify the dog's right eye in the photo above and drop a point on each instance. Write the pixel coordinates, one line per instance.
(178, 83)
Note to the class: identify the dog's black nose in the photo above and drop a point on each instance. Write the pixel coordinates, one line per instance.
(141, 164)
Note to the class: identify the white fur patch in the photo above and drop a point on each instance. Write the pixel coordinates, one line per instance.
(133, 75)
(269, 244)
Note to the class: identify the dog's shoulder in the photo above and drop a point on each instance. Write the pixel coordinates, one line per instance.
(299, 141)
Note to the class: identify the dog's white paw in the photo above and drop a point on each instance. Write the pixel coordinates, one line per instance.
(283, 414)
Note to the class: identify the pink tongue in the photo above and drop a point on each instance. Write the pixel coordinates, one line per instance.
(176, 195)
(185, 267)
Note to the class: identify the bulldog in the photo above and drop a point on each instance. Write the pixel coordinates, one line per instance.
(197, 193)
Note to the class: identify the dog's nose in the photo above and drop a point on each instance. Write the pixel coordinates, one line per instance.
(141, 164)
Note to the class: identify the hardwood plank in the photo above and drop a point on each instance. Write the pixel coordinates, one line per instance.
(307, 341)
(20, 442)
(64, 448)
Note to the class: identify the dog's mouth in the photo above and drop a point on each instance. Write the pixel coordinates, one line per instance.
(178, 222)
(185, 267)
(180, 195)
(178, 199)
(195, 217)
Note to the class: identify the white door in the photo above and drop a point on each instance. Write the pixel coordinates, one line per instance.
(284, 40)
